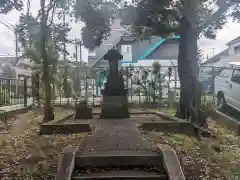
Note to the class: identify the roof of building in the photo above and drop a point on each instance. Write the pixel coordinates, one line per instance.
(131, 38)
(235, 64)
(223, 53)
(155, 46)
(112, 45)
(12, 60)
(7, 59)
(237, 39)
(217, 57)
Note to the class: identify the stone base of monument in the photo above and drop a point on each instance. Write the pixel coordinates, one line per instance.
(83, 111)
(114, 107)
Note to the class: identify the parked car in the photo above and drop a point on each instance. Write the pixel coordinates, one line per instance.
(227, 85)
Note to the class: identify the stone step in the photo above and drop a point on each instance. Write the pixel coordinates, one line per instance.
(64, 128)
(120, 175)
(119, 158)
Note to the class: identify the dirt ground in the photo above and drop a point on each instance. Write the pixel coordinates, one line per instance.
(24, 154)
(207, 159)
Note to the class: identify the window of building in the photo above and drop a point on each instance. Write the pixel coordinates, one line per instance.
(126, 49)
(237, 50)
(92, 53)
(108, 46)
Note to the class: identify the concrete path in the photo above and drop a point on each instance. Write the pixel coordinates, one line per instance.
(117, 134)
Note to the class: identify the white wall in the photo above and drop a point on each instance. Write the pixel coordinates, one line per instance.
(224, 62)
(232, 47)
(148, 62)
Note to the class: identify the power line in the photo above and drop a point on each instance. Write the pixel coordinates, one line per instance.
(10, 28)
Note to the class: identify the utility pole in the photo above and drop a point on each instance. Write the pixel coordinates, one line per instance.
(16, 46)
(16, 52)
(64, 45)
(80, 44)
(76, 50)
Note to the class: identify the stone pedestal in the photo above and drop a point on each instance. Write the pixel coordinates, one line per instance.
(83, 111)
(114, 107)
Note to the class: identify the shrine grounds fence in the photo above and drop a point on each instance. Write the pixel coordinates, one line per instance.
(144, 85)
(15, 91)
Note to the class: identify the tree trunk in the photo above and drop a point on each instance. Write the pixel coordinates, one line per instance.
(37, 87)
(187, 69)
(48, 109)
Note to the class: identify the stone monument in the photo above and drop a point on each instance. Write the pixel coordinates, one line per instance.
(114, 103)
(83, 111)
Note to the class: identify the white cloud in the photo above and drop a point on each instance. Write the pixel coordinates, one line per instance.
(230, 31)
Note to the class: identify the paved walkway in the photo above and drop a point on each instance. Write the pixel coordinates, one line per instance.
(119, 134)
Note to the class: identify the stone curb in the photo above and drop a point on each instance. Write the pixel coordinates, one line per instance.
(59, 121)
(169, 126)
(6, 114)
(64, 128)
(225, 120)
(195, 128)
(171, 163)
(66, 164)
(168, 116)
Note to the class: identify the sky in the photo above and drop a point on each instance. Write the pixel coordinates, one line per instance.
(209, 47)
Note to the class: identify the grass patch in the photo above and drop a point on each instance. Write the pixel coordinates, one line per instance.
(207, 159)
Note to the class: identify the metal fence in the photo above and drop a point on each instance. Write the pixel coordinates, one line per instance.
(144, 85)
(15, 91)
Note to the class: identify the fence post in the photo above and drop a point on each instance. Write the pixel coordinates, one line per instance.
(93, 91)
(25, 92)
(127, 75)
(131, 84)
(86, 89)
(213, 88)
(8, 91)
(33, 95)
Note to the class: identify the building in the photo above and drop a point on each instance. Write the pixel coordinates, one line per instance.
(134, 50)
(231, 54)
(21, 69)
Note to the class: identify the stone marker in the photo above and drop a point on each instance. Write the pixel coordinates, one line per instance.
(83, 111)
(114, 103)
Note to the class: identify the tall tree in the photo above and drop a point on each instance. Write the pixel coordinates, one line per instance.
(48, 108)
(188, 18)
(8, 5)
(42, 40)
